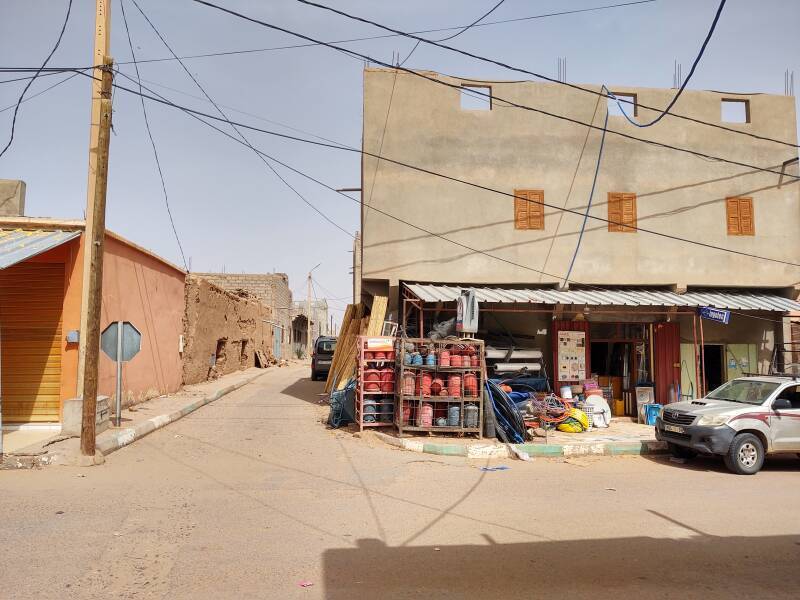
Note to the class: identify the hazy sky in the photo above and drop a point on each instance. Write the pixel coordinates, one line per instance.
(230, 211)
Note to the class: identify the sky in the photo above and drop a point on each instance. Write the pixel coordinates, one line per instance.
(233, 214)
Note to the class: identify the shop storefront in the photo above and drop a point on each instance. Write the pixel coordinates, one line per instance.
(637, 345)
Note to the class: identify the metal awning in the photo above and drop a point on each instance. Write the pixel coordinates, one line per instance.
(21, 244)
(731, 300)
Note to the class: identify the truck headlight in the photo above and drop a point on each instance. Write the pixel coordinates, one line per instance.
(713, 420)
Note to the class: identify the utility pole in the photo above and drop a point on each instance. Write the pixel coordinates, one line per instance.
(94, 233)
(308, 314)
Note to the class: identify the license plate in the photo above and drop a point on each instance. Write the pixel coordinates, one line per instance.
(325, 362)
(673, 428)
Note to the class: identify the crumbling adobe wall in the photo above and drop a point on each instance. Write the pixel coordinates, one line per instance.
(222, 331)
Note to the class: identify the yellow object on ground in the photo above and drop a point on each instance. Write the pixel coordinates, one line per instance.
(577, 422)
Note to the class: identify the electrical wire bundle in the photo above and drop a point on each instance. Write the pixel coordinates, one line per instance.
(509, 426)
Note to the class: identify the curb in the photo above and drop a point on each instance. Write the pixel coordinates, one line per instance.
(123, 437)
(495, 450)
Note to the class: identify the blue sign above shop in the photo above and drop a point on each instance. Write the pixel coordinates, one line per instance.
(715, 314)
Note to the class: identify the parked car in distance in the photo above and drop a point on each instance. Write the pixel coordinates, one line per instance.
(743, 420)
(322, 356)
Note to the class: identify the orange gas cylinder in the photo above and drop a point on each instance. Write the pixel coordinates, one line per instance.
(425, 383)
(454, 386)
(444, 358)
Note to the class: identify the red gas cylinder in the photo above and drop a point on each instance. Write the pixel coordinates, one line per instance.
(456, 360)
(372, 375)
(425, 383)
(436, 386)
(454, 386)
(387, 374)
(470, 385)
(380, 356)
(444, 358)
(466, 360)
(408, 383)
(425, 416)
(406, 414)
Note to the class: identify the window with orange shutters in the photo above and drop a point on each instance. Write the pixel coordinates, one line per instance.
(529, 209)
(740, 216)
(621, 212)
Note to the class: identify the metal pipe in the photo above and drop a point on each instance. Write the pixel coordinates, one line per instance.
(119, 373)
(703, 358)
(696, 358)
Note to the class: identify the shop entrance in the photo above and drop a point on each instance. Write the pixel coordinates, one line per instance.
(715, 366)
(620, 360)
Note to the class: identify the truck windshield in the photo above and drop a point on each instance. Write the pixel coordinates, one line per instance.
(326, 346)
(744, 390)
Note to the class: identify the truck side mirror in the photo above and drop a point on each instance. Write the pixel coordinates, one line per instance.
(781, 404)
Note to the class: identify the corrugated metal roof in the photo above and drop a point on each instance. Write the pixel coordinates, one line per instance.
(20, 244)
(732, 300)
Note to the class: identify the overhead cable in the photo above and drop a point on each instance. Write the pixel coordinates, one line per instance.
(472, 184)
(236, 129)
(497, 63)
(685, 81)
(38, 72)
(493, 97)
(458, 33)
(152, 141)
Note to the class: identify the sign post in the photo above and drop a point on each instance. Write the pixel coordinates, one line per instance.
(121, 341)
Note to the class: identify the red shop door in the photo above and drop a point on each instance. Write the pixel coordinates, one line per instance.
(667, 360)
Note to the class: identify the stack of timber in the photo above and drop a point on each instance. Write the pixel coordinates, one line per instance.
(354, 323)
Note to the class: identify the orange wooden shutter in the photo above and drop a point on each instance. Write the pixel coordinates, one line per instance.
(629, 212)
(734, 223)
(520, 210)
(614, 212)
(535, 209)
(746, 223)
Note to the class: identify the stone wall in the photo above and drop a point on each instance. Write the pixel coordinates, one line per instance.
(222, 331)
(272, 289)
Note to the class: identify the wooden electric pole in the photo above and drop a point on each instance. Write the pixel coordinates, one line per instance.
(308, 315)
(94, 233)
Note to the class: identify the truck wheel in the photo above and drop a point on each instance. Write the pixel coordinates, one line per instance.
(681, 451)
(746, 455)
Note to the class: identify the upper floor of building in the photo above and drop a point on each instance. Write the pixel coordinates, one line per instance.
(493, 193)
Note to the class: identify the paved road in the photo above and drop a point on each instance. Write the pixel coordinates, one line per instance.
(250, 496)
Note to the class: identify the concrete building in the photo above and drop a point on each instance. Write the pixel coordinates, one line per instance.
(272, 289)
(516, 224)
(320, 324)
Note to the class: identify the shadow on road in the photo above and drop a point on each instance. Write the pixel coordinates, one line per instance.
(713, 464)
(700, 566)
(306, 390)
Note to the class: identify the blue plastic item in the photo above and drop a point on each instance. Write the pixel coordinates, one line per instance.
(651, 412)
(417, 361)
(430, 360)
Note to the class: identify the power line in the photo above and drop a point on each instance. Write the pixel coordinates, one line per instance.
(225, 117)
(389, 215)
(490, 61)
(458, 33)
(37, 94)
(589, 203)
(162, 100)
(38, 72)
(152, 141)
(494, 97)
(688, 77)
(391, 35)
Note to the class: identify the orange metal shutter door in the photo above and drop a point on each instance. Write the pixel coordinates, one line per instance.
(31, 299)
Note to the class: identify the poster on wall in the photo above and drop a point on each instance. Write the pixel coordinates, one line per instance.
(571, 355)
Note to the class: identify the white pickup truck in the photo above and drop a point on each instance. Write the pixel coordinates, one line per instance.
(742, 421)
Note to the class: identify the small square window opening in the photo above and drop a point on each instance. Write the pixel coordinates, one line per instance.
(735, 111)
(628, 102)
(476, 97)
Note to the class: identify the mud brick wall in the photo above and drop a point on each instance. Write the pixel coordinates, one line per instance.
(222, 331)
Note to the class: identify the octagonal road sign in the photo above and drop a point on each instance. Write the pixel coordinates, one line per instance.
(131, 340)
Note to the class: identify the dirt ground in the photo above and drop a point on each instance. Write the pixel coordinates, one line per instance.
(251, 497)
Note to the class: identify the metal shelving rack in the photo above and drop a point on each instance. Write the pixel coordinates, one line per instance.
(415, 402)
(383, 401)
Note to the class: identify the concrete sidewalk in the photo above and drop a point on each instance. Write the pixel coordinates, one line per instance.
(137, 421)
(624, 437)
